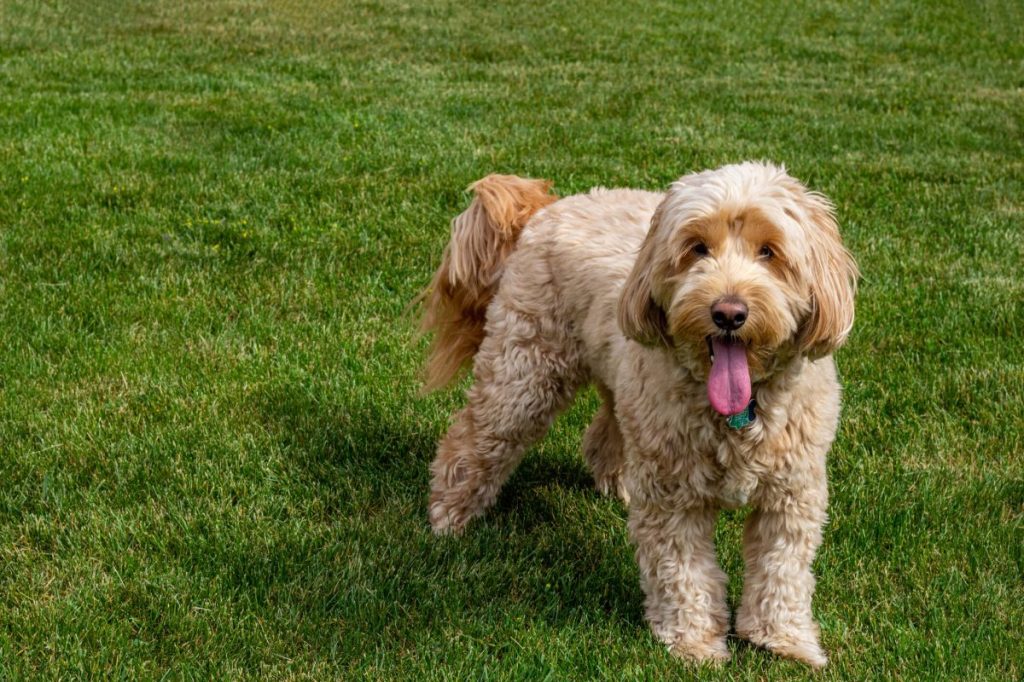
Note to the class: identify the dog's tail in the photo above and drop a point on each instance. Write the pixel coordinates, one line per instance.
(455, 303)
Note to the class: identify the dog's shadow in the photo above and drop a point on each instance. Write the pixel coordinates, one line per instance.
(552, 550)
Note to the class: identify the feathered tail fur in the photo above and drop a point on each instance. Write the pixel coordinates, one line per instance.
(483, 236)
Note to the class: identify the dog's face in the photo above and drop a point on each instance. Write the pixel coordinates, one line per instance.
(742, 269)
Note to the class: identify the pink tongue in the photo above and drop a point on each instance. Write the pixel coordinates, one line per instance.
(729, 381)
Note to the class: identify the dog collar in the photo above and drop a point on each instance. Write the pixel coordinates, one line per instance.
(744, 418)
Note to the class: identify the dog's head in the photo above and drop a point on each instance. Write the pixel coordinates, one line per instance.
(743, 268)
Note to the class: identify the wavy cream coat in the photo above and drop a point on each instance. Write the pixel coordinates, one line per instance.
(609, 288)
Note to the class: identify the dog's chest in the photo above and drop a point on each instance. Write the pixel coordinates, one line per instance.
(739, 473)
(731, 461)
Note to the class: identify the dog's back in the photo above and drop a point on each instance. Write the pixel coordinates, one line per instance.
(587, 243)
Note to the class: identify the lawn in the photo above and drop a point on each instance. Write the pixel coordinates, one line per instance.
(213, 457)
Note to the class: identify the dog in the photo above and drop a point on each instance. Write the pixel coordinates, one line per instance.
(706, 317)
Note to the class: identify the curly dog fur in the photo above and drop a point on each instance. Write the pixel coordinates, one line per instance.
(679, 307)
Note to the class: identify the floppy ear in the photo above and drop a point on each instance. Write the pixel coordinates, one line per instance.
(833, 280)
(640, 317)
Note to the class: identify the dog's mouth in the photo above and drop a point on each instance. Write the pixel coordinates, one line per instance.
(729, 379)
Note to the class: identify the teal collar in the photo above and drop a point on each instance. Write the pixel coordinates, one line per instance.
(744, 418)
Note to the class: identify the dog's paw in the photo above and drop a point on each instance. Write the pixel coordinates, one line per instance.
(612, 485)
(711, 650)
(805, 651)
(800, 644)
(443, 521)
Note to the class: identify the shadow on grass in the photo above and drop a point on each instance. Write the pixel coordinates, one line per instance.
(368, 574)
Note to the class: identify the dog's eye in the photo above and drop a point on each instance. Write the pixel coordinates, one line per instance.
(766, 252)
(700, 248)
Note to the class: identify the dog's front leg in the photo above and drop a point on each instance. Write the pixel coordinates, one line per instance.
(685, 589)
(779, 544)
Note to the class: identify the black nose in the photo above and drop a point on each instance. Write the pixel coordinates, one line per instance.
(729, 313)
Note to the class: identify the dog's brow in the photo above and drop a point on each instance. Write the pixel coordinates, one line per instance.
(756, 227)
(711, 230)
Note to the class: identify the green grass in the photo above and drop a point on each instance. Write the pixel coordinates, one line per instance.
(213, 462)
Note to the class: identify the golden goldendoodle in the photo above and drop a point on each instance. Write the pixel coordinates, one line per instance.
(706, 317)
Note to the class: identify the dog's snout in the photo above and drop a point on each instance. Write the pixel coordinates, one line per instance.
(729, 313)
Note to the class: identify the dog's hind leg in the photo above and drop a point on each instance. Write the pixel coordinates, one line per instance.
(603, 449)
(526, 372)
